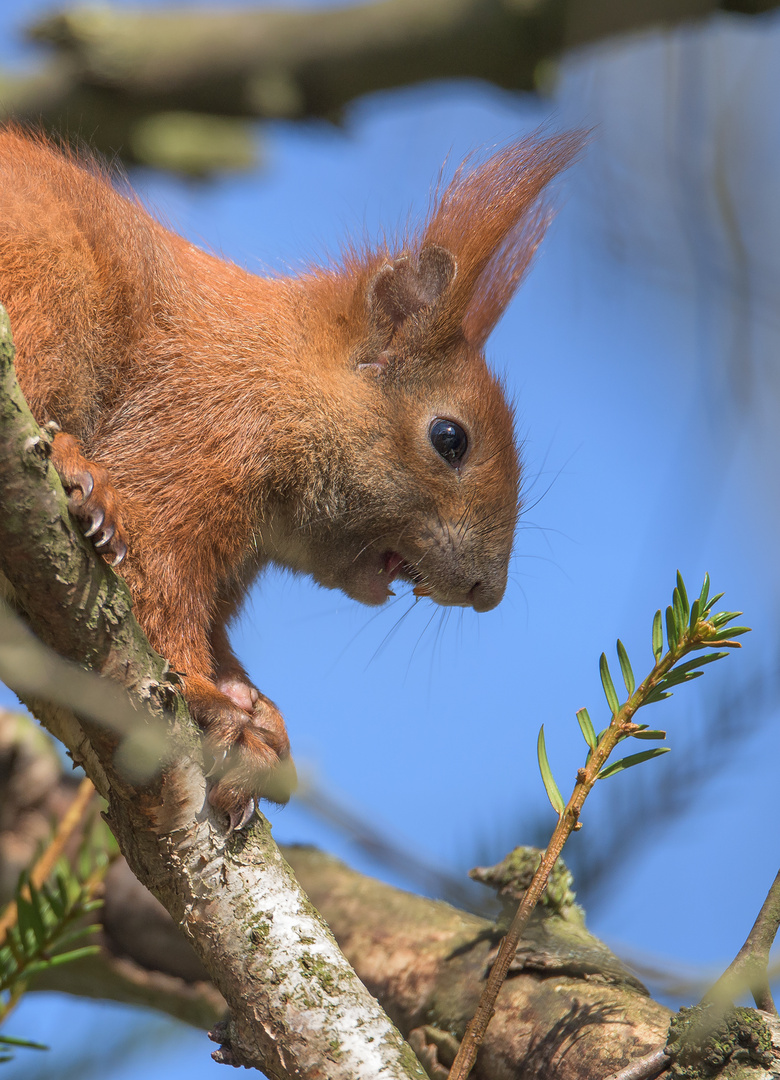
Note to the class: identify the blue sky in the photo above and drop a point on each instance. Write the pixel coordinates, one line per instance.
(641, 352)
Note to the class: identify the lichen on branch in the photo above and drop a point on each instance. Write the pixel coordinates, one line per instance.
(295, 1003)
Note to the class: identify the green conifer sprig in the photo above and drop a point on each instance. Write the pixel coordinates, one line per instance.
(52, 926)
(689, 628)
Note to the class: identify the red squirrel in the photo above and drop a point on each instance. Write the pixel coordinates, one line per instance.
(342, 423)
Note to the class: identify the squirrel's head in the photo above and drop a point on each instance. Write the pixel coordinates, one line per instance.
(411, 470)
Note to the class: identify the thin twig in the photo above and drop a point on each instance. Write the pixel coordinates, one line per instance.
(645, 1068)
(567, 823)
(749, 968)
(48, 859)
(704, 629)
(632, 816)
(387, 851)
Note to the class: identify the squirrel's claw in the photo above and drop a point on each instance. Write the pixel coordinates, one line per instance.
(216, 764)
(98, 517)
(106, 536)
(84, 482)
(240, 821)
(92, 499)
(119, 547)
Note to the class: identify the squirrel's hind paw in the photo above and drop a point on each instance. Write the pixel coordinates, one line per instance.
(244, 779)
(92, 499)
(251, 751)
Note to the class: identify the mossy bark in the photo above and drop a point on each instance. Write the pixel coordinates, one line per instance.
(293, 998)
(296, 1006)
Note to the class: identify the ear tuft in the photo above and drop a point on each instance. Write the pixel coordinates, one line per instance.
(401, 289)
(492, 216)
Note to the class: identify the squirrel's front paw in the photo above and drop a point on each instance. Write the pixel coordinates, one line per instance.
(249, 745)
(92, 498)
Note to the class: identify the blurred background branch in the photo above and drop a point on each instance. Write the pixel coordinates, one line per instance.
(145, 958)
(176, 88)
(646, 337)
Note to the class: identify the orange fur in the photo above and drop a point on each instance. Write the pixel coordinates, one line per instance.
(247, 420)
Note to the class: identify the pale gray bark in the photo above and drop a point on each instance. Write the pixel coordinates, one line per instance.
(296, 1005)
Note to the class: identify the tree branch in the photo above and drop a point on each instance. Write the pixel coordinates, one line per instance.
(174, 88)
(569, 1007)
(296, 1006)
(424, 959)
(749, 968)
(294, 1001)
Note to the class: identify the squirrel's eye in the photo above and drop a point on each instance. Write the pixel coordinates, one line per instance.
(449, 440)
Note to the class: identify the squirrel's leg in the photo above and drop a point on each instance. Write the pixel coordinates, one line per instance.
(244, 731)
(258, 747)
(92, 499)
(229, 673)
(251, 750)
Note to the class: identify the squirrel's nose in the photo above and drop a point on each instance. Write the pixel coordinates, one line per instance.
(484, 597)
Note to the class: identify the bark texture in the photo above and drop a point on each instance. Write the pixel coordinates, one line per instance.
(296, 1006)
(569, 1008)
(424, 959)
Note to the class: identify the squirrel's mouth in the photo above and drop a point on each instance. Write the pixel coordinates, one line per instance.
(372, 582)
(372, 577)
(395, 567)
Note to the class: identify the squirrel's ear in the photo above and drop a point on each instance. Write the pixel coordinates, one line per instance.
(406, 287)
(492, 216)
(463, 266)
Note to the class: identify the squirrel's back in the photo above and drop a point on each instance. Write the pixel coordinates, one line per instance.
(342, 423)
(81, 268)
